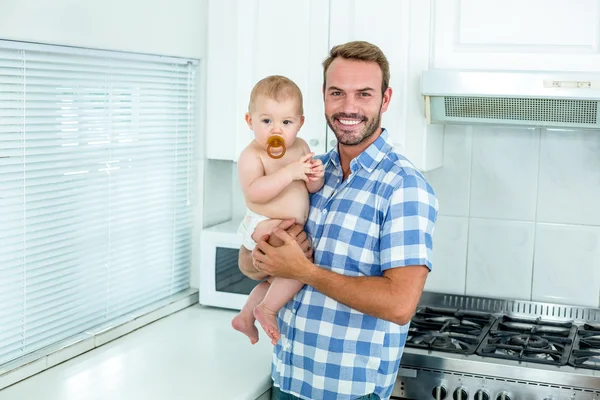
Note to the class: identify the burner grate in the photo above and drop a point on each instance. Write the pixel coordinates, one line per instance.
(586, 348)
(449, 330)
(530, 340)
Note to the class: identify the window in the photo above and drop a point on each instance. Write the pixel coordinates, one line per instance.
(96, 165)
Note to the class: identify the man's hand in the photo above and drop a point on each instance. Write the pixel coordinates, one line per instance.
(297, 233)
(287, 261)
(248, 266)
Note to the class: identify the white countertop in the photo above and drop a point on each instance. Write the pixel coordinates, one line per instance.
(192, 354)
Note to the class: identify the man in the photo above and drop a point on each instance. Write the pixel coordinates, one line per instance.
(343, 334)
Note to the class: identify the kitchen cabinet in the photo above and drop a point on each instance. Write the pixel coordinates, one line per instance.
(250, 39)
(516, 35)
(402, 30)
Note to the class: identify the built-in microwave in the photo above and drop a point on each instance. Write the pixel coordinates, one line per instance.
(221, 282)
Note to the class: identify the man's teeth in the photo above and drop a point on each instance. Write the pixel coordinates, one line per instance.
(348, 122)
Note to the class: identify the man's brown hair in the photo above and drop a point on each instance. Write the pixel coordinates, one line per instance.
(278, 88)
(362, 51)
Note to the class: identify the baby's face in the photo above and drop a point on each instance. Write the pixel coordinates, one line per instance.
(271, 117)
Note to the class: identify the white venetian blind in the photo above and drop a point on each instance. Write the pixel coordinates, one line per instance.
(96, 154)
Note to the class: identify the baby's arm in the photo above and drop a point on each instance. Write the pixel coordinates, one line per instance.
(259, 188)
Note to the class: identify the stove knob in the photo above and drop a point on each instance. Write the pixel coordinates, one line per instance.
(482, 395)
(460, 394)
(503, 396)
(439, 393)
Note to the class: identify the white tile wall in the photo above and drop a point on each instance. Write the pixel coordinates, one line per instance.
(504, 173)
(500, 258)
(519, 215)
(450, 259)
(570, 178)
(567, 264)
(452, 183)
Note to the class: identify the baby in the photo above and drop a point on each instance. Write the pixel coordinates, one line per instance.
(276, 172)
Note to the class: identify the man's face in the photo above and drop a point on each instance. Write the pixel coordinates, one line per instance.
(353, 100)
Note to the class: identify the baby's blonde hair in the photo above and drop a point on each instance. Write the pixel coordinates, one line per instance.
(278, 88)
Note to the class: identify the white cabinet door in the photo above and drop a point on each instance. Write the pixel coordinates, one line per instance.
(402, 30)
(250, 39)
(556, 35)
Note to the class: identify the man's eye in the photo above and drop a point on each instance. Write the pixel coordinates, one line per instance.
(266, 121)
(336, 93)
(365, 94)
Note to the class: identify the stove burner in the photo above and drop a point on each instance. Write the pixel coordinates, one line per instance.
(447, 329)
(532, 340)
(444, 343)
(529, 340)
(586, 349)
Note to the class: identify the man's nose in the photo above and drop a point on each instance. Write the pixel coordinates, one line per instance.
(350, 105)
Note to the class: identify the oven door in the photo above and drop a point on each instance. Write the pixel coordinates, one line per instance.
(221, 282)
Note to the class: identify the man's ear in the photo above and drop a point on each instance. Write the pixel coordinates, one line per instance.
(387, 97)
(248, 119)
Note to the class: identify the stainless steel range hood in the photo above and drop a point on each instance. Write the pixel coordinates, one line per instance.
(546, 99)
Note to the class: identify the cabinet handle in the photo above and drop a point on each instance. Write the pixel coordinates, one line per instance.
(314, 142)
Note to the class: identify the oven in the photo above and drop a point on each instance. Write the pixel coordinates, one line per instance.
(462, 347)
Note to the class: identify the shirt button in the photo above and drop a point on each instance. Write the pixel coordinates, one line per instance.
(293, 311)
(338, 180)
(324, 211)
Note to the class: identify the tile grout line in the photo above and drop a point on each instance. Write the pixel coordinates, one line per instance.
(539, 132)
(472, 139)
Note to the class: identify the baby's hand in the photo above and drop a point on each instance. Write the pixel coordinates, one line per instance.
(300, 169)
(317, 171)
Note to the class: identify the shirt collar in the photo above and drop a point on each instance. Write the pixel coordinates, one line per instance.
(370, 157)
(373, 154)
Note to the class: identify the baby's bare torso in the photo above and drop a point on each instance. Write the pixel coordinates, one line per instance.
(293, 201)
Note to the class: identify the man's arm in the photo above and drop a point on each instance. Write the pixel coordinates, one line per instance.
(405, 251)
(246, 263)
(393, 296)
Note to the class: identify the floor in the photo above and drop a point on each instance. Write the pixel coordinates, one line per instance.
(172, 359)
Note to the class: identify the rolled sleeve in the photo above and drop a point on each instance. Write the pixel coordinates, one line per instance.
(407, 230)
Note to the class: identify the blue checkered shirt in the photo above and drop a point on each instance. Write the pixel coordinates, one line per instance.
(382, 216)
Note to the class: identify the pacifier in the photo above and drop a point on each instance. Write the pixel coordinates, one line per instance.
(275, 142)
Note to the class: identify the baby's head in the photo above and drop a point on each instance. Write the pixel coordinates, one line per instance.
(275, 109)
(278, 88)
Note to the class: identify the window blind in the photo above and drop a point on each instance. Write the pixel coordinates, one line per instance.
(96, 154)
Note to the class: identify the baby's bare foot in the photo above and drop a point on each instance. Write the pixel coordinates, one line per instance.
(245, 325)
(268, 321)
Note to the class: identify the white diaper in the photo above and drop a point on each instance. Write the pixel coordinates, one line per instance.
(246, 228)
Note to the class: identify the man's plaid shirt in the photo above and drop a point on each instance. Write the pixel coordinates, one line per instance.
(382, 216)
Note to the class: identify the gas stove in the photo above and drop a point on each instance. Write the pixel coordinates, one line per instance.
(462, 347)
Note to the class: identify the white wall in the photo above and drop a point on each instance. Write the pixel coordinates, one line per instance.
(519, 215)
(165, 27)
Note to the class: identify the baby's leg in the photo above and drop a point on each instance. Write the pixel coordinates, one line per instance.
(244, 321)
(281, 291)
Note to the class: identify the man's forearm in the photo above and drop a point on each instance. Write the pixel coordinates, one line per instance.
(377, 296)
(246, 266)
